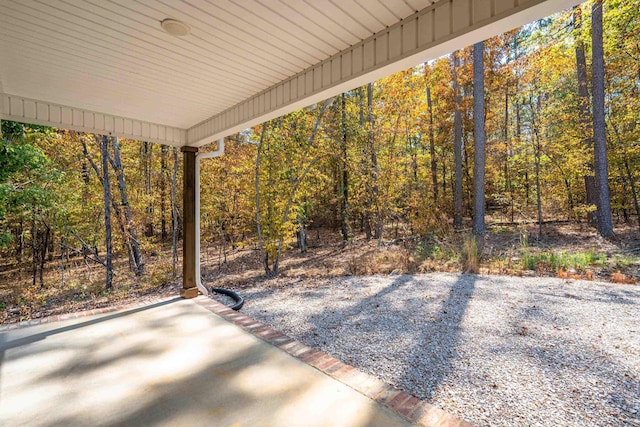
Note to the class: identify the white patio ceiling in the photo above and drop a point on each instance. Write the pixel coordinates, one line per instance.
(107, 66)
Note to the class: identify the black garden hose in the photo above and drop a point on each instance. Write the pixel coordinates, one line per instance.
(239, 301)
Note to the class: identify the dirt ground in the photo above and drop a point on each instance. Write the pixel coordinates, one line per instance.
(504, 249)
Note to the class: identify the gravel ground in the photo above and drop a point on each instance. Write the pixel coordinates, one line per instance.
(499, 351)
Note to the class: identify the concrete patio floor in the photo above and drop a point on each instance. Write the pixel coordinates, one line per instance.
(170, 363)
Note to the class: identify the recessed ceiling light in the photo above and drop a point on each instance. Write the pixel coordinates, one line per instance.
(175, 27)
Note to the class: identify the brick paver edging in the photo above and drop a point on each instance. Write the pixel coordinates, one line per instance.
(404, 404)
(140, 302)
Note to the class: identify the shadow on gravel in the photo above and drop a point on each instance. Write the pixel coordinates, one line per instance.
(392, 309)
(440, 337)
(364, 307)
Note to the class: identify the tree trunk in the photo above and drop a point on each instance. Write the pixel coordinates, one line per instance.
(537, 154)
(629, 175)
(43, 252)
(570, 204)
(62, 253)
(601, 167)
(479, 135)
(115, 206)
(147, 151)
(131, 235)
(301, 236)
(163, 192)
(457, 144)
(432, 146)
(585, 115)
(19, 242)
(264, 254)
(104, 148)
(518, 136)
(344, 177)
(34, 247)
(508, 187)
(583, 85)
(375, 193)
(174, 212)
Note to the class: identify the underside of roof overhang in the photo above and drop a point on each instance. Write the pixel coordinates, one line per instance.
(108, 67)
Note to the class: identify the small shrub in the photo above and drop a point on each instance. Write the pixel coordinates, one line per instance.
(621, 261)
(470, 256)
(393, 260)
(160, 276)
(529, 261)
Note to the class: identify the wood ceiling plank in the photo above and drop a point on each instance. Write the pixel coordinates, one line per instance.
(399, 8)
(255, 29)
(83, 71)
(381, 13)
(158, 109)
(313, 11)
(137, 69)
(361, 14)
(420, 4)
(341, 18)
(147, 31)
(95, 31)
(210, 36)
(300, 25)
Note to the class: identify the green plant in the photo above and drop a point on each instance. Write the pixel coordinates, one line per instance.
(529, 261)
(549, 260)
(427, 248)
(623, 260)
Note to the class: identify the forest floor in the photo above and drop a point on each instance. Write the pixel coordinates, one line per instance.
(566, 250)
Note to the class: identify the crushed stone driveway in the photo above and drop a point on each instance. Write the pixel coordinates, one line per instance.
(494, 350)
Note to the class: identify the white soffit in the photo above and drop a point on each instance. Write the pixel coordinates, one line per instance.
(106, 65)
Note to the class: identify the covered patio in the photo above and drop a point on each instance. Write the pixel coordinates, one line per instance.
(188, 73)
(136, 367)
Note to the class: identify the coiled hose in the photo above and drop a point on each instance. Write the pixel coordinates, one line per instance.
(239, 301)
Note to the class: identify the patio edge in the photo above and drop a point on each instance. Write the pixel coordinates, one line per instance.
(140, 302)
(407, 406)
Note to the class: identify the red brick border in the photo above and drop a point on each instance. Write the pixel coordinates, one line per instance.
(141, 302)
(407, 406)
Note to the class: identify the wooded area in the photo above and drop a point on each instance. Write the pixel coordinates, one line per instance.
(538, 124)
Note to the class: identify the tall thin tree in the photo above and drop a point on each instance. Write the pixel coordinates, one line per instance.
(457, 142)
(583, 110)
(432, 142)
(375, 189)
(104, 151)
(131, 236)
(601, 167)
(344, 174)
(174, 211)
(479, 136)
